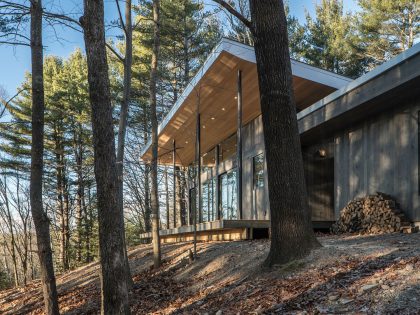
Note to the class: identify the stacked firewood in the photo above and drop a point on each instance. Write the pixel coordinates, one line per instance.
(378, 213)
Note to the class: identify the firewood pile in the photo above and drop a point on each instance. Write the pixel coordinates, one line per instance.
(377, 214)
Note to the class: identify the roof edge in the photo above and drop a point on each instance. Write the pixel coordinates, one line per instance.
(247, 53)
(371, 75)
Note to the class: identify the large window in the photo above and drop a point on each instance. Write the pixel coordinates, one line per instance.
(228, 195)
(208, 161)
(258, 165)
(208, 200)
(227, 148)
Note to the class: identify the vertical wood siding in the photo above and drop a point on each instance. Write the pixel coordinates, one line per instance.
(380, 154)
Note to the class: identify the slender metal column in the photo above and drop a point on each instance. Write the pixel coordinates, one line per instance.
(174, 176)
(239, 145)
(199, 166)
(217, 185)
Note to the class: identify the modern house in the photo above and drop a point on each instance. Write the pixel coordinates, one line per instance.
(358, 137)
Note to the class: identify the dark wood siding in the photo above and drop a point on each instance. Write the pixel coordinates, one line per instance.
(380, 154)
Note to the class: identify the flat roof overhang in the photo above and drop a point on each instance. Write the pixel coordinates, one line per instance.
(214, 89)
(388, 86)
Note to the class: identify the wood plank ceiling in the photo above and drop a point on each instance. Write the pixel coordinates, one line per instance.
(215, 94)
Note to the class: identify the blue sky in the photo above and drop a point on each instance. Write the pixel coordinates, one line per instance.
(15, 61)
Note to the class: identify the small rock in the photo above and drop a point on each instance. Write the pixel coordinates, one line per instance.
(409, 267)
(219, 312)
(385, 287)
(345, 301)
(381, 281)
(333, 297)
(368, 287)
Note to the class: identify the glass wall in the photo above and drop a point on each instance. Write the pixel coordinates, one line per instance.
(208, 161)
(228, 195)
(227, 183)
(208, 200)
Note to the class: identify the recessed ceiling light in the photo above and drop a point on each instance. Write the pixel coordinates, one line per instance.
(213, 118)
(236, 97)
(186, 142)
(204, 126)
(223, 108)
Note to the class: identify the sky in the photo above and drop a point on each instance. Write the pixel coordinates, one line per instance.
(15, 61)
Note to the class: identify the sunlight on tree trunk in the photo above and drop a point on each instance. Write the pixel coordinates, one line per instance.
(111, 225)
(153, 81)
(292, 235)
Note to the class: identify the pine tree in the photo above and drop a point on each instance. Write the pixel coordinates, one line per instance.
(328, 40)
(386, 28)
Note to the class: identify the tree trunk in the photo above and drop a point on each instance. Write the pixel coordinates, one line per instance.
(147, 208)
(60, 203)
(78, 156)
(122, 129)
(88, 226)
(292, 235)
(9, 224)
(40, 218)
(153, 81)
(185, 48)
(66, 219)
(114, 290)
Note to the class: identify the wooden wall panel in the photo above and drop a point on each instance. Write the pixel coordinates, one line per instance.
(380, 154)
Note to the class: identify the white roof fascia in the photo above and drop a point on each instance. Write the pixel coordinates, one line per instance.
(361, 80)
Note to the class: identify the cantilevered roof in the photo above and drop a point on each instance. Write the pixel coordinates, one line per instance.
(213, 91)
(384, 87)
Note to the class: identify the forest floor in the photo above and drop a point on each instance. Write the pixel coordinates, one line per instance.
(376, 274)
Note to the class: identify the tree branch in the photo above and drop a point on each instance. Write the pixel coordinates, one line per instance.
(121, 58)
(121, 19)
(232, 11)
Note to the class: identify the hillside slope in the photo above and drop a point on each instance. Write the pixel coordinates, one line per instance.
(364, 274)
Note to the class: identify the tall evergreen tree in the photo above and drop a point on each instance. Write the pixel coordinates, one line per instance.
(329, 40)
(386, 28)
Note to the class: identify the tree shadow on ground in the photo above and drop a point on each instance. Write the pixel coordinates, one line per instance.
(287, 294)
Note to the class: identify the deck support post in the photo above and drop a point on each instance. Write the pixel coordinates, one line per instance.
(174, 178)
(239, 145)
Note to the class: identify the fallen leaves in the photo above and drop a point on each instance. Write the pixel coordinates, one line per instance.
(379, 274)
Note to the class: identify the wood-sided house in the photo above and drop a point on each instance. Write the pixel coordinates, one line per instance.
(358, 137)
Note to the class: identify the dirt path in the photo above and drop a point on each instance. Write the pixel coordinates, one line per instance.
(352, 274)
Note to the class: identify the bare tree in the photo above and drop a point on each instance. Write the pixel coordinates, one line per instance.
(127, 61)
(111, 225)
(292, 235)
(154, 165)
(40, 218)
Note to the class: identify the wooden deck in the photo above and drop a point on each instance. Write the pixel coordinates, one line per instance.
(220, 230)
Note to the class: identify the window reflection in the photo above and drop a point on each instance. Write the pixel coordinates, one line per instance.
(208, 200)
(228, 195)
(258, 164)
